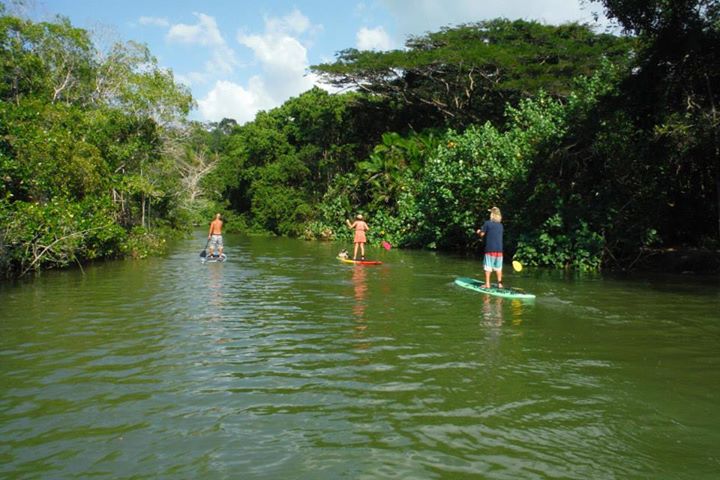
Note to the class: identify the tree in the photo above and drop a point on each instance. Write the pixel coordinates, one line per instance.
(82, 141)
(466, 74)
(130, 79)
(53, 60)
(294, 150)
(674, 96)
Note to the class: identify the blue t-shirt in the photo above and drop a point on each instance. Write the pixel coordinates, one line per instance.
(493, 236)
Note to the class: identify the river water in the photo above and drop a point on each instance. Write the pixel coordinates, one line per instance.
(284, 363)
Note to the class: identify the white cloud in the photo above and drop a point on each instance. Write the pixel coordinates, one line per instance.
(230, 100)
(222, 61)
(373, 39)
(154, 21)
(281, 54)
(294, 23)
(192, 78)
(283, 60)
(205, 32)
(277, 53)
(415, 17)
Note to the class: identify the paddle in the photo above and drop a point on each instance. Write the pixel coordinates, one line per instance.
(203, 254)
(385, 244)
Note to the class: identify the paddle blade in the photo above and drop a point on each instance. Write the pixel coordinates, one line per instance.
(386, 245)
(517, 266)
(203, 254)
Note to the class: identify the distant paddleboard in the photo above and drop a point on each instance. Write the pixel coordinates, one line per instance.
(505, 292)
(359, 262)
(214, 258)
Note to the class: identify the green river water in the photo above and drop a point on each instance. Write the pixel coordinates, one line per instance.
(284, 363)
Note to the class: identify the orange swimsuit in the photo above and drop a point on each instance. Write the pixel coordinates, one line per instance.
(360, 228)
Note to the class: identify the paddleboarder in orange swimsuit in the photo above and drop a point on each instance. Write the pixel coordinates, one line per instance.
(360, 228)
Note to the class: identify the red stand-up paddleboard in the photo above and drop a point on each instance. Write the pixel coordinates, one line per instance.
(359, 262)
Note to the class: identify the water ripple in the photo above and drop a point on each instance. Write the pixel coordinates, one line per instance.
(282, 363)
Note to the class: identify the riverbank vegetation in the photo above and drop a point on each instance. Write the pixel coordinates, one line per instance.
(600, 149)
(97, 159)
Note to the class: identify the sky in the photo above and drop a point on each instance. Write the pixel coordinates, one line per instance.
(239, 57)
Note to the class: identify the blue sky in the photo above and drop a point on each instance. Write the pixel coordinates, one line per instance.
(239, 57)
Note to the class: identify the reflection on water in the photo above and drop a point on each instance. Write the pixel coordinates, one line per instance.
(214, 292)
(492, 311)
(283, 363)
(359, 280)
(516, 309)
(360, 294)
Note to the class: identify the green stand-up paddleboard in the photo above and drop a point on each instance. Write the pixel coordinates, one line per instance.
(505, 292)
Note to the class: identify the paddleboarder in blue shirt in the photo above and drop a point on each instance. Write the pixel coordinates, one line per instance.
(492, 232)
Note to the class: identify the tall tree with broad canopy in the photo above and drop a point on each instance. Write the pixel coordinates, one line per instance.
(467, 74)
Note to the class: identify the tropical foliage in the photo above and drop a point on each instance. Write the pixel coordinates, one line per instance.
(600, 149)
(554, 124)
(82, 139)
(467, 74)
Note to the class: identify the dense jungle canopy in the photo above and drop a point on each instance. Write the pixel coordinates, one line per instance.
(601, 149)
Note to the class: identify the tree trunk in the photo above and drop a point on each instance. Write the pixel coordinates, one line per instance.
(717, 192)
(142, 217)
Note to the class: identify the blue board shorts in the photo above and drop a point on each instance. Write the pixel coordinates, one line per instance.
(216, 241)
(493, 262)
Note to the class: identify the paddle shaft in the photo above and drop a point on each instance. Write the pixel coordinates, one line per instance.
(204, 251)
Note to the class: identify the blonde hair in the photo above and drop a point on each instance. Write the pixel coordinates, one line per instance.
(495, 214)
